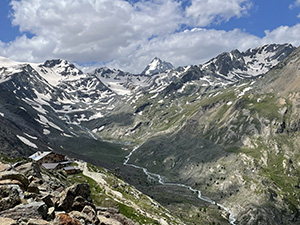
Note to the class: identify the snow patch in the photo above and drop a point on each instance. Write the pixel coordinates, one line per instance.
(244, 91)
(32, 137)
(44, 121)
(96, 116)
(46, 132)
(26, 141)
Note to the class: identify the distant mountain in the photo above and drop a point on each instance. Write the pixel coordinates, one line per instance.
(226, 68)
(236, 65)
(157, 66)
(122, 83)
(49, 101)
(62, 100)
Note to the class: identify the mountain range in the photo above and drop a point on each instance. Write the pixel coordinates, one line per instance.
(228, 127)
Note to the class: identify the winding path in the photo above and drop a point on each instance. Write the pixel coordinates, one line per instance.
(159, 179)
(117, 196)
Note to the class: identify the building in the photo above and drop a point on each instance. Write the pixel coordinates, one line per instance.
(71, 170)
(47, 157)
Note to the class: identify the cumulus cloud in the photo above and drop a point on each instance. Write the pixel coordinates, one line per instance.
(128, 34)
(194, 46)
(205, 12)
(88, 30)
(283, 34)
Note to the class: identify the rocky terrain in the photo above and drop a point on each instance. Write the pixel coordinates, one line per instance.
(35, 196)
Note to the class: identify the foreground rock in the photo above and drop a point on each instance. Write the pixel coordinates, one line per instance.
(33, 210)
(29, 196)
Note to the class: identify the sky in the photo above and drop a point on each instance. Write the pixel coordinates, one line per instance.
(128, 34)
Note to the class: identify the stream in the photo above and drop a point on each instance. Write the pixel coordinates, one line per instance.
(159, 179)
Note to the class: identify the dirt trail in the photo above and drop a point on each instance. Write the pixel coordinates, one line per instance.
(117, 196)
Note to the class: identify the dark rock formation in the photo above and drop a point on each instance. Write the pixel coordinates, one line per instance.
(68, 196)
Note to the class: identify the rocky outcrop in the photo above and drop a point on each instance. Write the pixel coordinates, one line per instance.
(29, 196)
(15, 176)
(80, 192)
(33, 210)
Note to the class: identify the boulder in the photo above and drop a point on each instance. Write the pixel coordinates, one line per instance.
(65, 219)
(91, 213)
(79, 203)
(12, 182)
(34, 210)
(13, 175)
(10, 196)
(30, 169)
(48, 200)
(81, 217)
(109, 210)
(33, 188)
(67, 197)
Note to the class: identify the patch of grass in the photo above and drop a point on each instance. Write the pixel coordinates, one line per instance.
(5, 159)
(224, 96)
(137, 217)
(97, 193)
(267, 107)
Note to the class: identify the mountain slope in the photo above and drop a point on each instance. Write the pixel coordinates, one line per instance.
(216, 127)
(59, 98)
(238, 142)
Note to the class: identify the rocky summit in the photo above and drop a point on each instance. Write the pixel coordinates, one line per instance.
(214, 143)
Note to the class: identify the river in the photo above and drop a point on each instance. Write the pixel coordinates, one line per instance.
(159, 179)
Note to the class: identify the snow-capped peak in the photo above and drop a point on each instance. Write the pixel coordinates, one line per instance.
(5, 62)
(157, 66)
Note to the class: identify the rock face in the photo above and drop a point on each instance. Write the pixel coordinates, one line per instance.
(42, 199)
(77, 191)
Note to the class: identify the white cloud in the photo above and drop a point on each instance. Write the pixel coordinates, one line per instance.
(88, 30)
(205, 12)
(283, 34)
(189, 47)
(128, 36)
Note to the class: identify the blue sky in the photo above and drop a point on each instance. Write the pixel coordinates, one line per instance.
(264, 15)
(128, 34)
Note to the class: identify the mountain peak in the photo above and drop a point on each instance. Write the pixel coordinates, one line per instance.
(157, 66)
(62, 67)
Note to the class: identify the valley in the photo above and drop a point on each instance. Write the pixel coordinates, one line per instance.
(218, 143)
